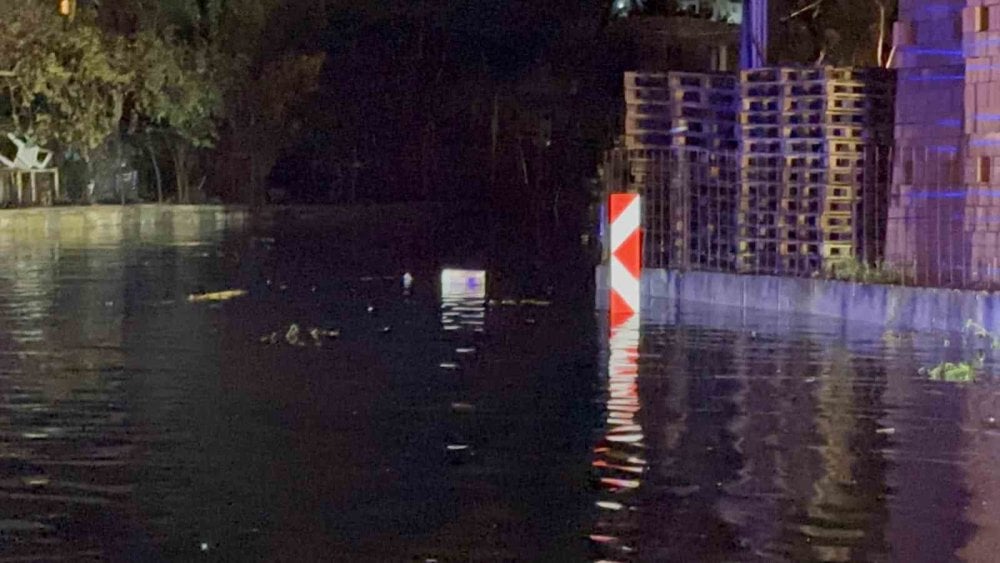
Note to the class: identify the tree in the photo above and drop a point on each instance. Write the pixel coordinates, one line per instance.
(78, 85)
(177, 100)
(263, 65)
(260, 121)
(837, 32)
(68, 83)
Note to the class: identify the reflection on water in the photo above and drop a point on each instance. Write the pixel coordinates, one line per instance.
(769, 438)
(66, 318)
(618, 457)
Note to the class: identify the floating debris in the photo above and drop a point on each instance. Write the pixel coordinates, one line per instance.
(464, 408)
(216, 296)
(386, 329)
(963, 372)
(370, 309)
(407, 283)
(508, 302)
(457, 447)
(886, 431)
(536, 302)
(530, 321)
(314, 333)
(465, 350)
(448, 365)
(292, 335)
(35, 480)
(204, 546)
(295, 335)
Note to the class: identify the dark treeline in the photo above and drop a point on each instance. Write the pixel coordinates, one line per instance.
(507, 100)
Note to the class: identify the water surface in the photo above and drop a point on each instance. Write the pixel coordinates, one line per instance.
(135, 425)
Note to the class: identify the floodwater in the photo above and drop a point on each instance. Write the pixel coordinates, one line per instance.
(137, 425)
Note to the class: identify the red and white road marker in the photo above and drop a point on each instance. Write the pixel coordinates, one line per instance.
(625, 263)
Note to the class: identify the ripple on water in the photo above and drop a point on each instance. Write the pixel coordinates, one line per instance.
(789, 444)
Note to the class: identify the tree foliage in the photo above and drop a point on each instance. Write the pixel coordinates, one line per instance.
(69, 85)
(76, 85)
(262, 68)
(175, 89)
(191, 74)
(837, 32)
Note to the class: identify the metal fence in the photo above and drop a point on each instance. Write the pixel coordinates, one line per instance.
(836, 215)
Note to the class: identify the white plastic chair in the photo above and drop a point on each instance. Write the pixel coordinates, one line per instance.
(28, 157)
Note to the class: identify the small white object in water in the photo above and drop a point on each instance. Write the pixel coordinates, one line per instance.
(292, 336)
(204, 546)
(315, 334)
(463, 407)
(371, 309)
(457, 447)
(407, 281)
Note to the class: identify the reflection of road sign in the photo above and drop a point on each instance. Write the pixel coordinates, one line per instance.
(625, 263)
(463, 283)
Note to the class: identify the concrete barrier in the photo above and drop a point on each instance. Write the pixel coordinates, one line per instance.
(893, 307)
(79, 226)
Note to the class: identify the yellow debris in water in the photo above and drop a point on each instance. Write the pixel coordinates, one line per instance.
(217, 295)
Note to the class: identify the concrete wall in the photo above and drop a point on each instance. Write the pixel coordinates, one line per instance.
(894, 307)
(98, 224)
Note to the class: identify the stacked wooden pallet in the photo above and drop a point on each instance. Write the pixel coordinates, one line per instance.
(681, 136)
(680, 109)
(807, 142)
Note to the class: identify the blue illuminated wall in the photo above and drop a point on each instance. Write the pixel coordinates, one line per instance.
(933, 172)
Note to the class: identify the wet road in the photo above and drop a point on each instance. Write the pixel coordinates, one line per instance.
(135, 425)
